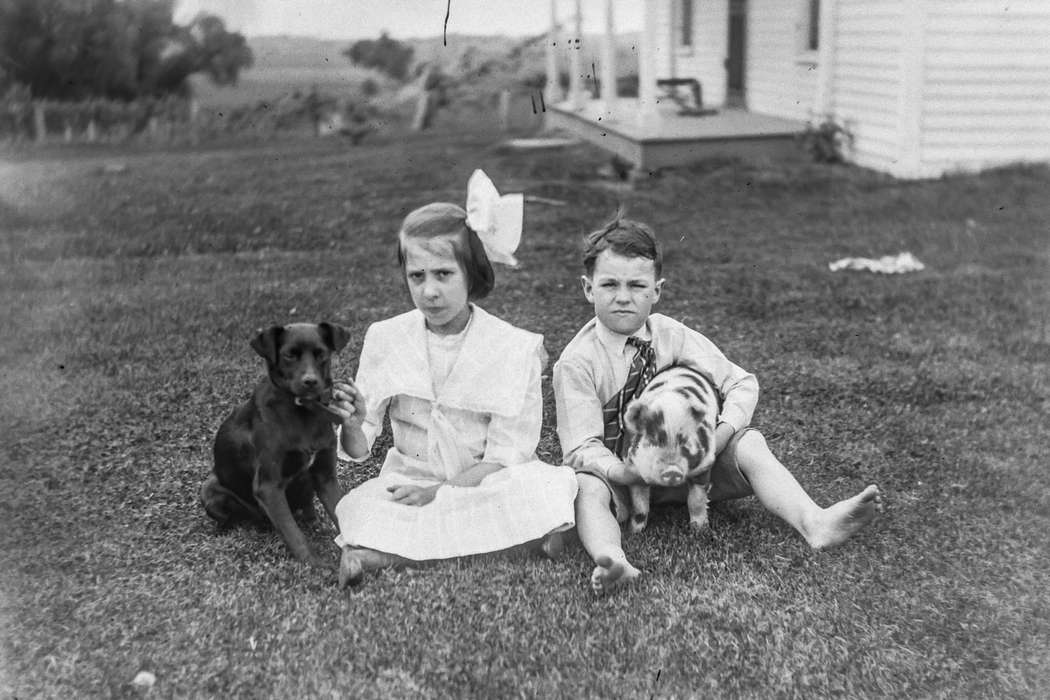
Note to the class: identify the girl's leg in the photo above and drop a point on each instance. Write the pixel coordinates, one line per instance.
(600, 535)
(781, 494)
(355, 561)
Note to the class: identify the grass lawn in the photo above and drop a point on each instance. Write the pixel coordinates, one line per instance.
(128, 298)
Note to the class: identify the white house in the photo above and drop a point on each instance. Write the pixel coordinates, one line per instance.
(924, 86)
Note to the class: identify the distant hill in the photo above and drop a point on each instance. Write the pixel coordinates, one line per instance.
(529, 53)
(285, 64)
(286, 52)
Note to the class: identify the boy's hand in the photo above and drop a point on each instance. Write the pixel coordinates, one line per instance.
(412, 495)
(619, 474)
(348, 400)
(723, 434)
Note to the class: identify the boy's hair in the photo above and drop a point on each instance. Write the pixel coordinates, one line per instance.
(442, 219)
(626, 237)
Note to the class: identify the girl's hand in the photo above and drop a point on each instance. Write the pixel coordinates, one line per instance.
(348, 400)
(412, 495)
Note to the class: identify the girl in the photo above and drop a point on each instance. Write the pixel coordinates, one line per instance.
(462, 389)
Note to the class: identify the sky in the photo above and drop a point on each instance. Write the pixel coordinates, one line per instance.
(356, 19)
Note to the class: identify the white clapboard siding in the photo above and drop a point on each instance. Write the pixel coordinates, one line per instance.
(665, 61)
(924, 86)
(866, 77)
(704, 60)
(986, 88)
(780, 79)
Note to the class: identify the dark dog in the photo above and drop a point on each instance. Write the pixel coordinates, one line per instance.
(273, 453)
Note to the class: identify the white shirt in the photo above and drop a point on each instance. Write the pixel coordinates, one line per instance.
(594, 367)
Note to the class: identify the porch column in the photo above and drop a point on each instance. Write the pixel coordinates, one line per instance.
(575, 62)
(552, 90)
(647, 63)
(608, 83)
(822, 104)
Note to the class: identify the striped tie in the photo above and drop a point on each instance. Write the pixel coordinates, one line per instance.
(643, 367)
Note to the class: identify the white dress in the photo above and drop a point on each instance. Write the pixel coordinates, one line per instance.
(455, 401)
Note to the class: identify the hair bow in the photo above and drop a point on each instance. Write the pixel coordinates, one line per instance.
(497, 219)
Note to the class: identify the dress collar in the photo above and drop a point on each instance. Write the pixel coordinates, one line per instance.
(490, 374)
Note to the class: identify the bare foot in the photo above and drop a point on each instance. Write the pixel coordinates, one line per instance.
(351, 570)
(610, 575)
(552, 545)
(838, 522)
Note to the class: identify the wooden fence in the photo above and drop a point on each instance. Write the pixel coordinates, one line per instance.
(179, 120)
(49, 121)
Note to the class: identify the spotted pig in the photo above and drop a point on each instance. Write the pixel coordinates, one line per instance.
(670, 436)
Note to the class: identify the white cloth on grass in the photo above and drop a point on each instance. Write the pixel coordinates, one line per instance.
(887, 264)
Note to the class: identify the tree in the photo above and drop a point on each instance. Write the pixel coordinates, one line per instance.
(122, 49)
(385, 54)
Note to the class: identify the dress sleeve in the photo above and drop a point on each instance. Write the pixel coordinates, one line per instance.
(513, 439)
(375, 407)
(372, 427)
(580, 425)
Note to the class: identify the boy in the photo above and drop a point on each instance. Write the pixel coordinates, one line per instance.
(622, 263)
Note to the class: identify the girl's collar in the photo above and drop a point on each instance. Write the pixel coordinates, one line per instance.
(459, 334)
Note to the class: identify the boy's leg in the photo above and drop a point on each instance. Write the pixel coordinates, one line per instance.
(599, 533)
(781, 494)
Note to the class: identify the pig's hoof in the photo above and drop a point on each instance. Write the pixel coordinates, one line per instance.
(638, 523)
(700, 527)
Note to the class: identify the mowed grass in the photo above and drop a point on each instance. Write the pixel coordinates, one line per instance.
(128, 299)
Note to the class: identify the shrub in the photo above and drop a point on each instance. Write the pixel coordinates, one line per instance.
(827, 141)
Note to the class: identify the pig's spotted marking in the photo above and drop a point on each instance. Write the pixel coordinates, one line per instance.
(676, 410)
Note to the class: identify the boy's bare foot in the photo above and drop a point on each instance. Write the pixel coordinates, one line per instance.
(839, 522)
(609, 575)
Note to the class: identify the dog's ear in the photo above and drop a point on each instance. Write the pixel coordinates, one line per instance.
(266, 343)
(335, 336)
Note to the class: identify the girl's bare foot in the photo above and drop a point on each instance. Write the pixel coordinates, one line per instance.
(609, 575)
(351, 570)
(552, 545)
(837, 523)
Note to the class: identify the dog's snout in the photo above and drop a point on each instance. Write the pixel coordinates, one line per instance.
(311, 381)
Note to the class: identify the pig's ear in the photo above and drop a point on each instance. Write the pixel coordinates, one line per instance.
(634, 415)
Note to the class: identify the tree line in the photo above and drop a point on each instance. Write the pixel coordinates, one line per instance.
(113, 49)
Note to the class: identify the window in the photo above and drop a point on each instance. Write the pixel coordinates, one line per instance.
(813, 26)
(684, 23)
(807, 31)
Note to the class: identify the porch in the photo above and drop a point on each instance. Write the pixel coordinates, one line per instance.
(657, 128)
(666, 138)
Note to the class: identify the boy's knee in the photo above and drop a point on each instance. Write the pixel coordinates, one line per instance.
(592, 488)
(752, 440)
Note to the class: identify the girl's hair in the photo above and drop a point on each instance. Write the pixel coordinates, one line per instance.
(631, 239)
(442, 219)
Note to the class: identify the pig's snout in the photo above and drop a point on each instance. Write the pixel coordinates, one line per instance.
(672, 477)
